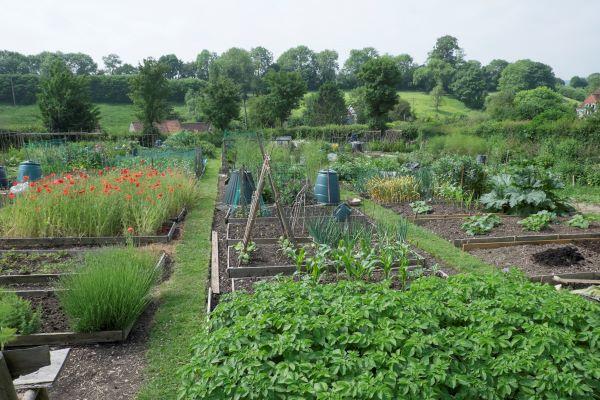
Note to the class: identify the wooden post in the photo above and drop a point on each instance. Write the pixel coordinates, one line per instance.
(7, 389)
(255, 203)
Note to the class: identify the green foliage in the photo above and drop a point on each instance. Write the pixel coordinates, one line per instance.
(530, 103)
(112, 290)
(437, 97)
(457, 144)
(6, 336)
(538, 221)
(285, 90)
(579, 221)
(524, 191)
(525, 75)
(191, 140)
(327, 106)
(220, 102)
(461, 171)
(302, 61)
(327, 230)
(480, 224)
(244, 255)
(420, 207)
(348, 76)
(492, 73)
(64, 101)
(149, 93)
(469, 84)
(16, 313)
(379, 77)
(471, 336)
(401, 111)
(578, 94)
(236, 65)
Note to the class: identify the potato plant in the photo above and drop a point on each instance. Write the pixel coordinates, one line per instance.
(468, 337)
(480, 224)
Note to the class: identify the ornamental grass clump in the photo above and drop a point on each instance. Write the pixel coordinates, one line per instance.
(111, 289)
(393, 190)
(104, 203)
(472, 336)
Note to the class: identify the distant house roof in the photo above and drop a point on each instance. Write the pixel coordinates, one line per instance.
(172, 126)
(592, 98)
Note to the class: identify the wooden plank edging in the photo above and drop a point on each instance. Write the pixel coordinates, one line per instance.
(214, 265)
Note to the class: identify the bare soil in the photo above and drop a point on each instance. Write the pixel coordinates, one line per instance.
(53, 317)
(438, 208)
(24, 263)
(548, 259)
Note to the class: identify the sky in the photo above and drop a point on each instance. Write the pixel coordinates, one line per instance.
(562, 33)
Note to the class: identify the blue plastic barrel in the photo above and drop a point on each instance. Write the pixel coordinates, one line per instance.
(3, 178)
(327, 187)
(31, 169)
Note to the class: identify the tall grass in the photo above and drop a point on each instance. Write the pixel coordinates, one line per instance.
(111, 290)
(107, 203)
(393, 190)
(327, 230)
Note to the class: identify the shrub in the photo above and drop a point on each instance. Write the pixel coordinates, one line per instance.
(461, 171)
(457, 144)
(480, 224)
(538, 221)
(524, 191)
(190, 140)
(393, 190)
(468, 337)
(530, 103)
(16, 313)
(111, 291)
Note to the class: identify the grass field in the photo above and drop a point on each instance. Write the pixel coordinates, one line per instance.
(114, 118)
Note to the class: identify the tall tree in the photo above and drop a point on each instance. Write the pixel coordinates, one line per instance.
(525, 75)
(593, 81)
(285, 92)
(150, 93)
(530, 103)
(423, 79)
(578, 82)
(204, 61)
(300, 59)
(355, 61)
(235, 64)
(126, 69)
(64, 100)
(220, 101)
(379, 76)
(111, 63)
(469, 84)
(12, 62)
(262, 60)
(327, 106)
(174, 65)
(327, 65)
(446, 49)
(407, 67)
(492, 73)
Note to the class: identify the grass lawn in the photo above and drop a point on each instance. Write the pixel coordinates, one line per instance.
(182, 311)
(583, 194)
(114, 118)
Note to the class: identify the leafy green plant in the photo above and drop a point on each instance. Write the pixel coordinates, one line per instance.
(480, 224)
(461, 171)
(420, 207)
(525, 191)
(286, 247)
(538, 221)
(6, 336)
(472, 336)
(244, 256)
(579, 221)
(17, 313)
(111, 291)
(327, 230)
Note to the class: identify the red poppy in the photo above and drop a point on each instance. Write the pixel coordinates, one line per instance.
(130, 229)
(11, 196)
(25, 178)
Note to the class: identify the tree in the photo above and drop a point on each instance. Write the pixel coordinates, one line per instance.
(188, 70)
(442, 72)
(379, 76)
(469, 84)
(301, 59)
(149, 93)
(220, 102)
(525, 75)
(327, 106)
(446, 49)
(492, 73)
(235, 64)
(578, 82)
(327, 66)
(285, 90)
(262, 60)
(437, 96)
(204, 61)
(126, 69)
(407, 67)
(355, 61)
(593, 81)
(174, 65)
(112, 62)
(12, 62)
(261, 112)
(423, 79)
(64, 100)
(530, 103)
(500, 105)
(401, 111)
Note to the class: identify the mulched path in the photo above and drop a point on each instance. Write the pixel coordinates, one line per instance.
(545, 259)
(451, 228)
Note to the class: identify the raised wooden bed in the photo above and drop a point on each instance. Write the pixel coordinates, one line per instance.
(505, 241)
(76, 338)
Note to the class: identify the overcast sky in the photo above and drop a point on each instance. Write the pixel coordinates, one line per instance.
(562, 33)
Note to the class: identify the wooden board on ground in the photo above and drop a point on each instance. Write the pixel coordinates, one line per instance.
(45, 376)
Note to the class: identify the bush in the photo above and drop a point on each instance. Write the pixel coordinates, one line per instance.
(111, 291)
(530, 103)
(461, 171)
(472, 336)
(16, 313)
(538, 221)
(480, 224)
(525, 191)
(191, 140)
(393, 190)
(457, 144)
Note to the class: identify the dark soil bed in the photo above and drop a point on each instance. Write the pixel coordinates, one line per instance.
(438, 208)
(583, 256)
(23, 263)
(451, 228)
(53, 317)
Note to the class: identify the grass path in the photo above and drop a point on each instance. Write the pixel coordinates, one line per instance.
(183, 297)
(427, 241)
